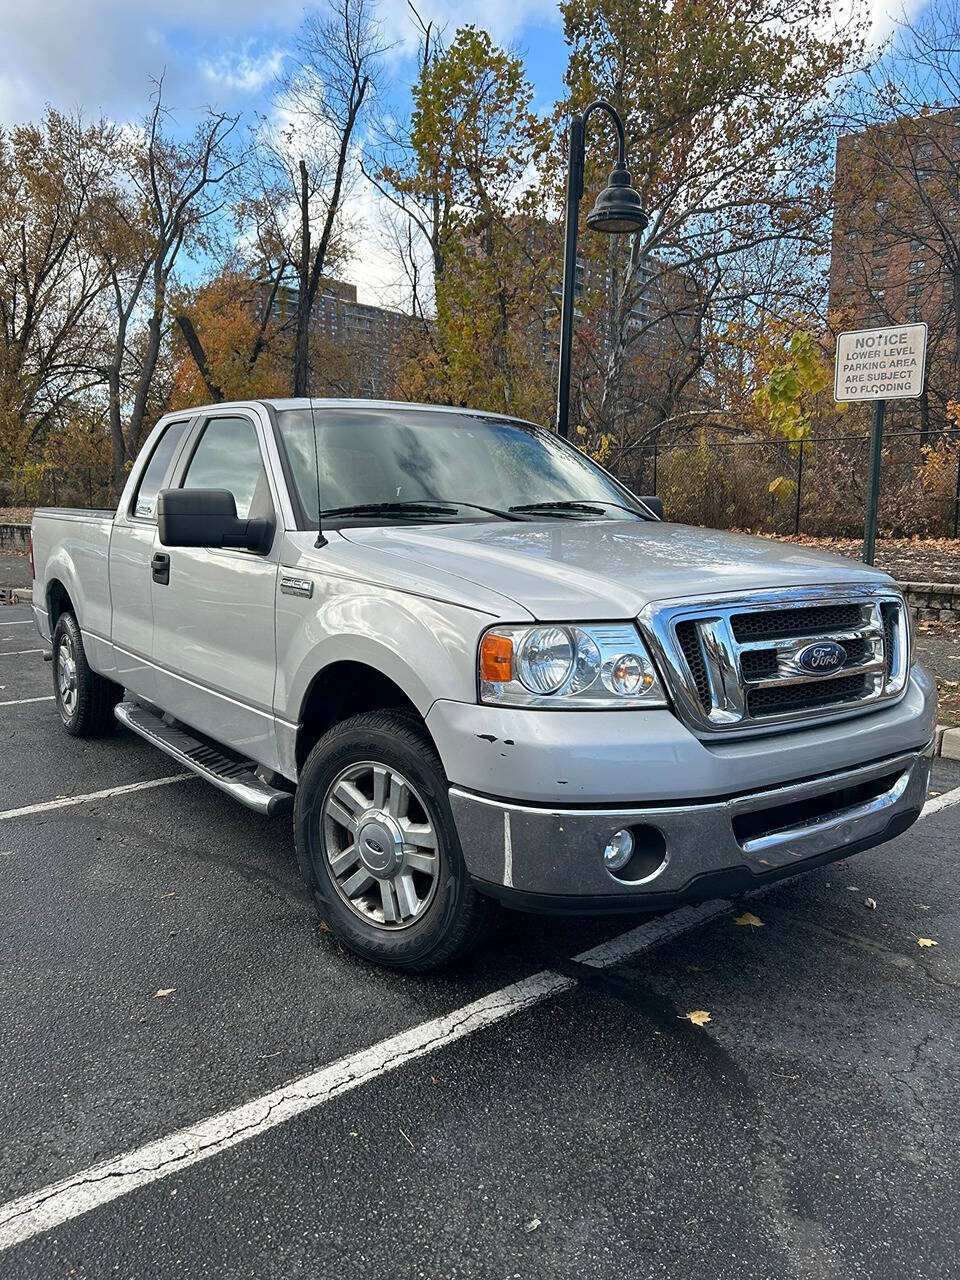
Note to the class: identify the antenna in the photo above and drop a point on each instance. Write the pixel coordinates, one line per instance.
(321, 540)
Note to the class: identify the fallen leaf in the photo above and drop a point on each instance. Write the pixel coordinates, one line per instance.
(698, 1017)
(164, 991)
(694, 968)
(531, 1225)
(167, 895)
(927, 942)
(748, 918)
(871, 903)
(922, 905)
(854, 888)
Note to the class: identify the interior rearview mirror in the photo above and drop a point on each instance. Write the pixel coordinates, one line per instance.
(208, 518)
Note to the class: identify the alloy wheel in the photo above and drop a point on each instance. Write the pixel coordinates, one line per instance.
(380, 843)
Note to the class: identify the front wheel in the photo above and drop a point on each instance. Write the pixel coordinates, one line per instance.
(84, 699)
(378, 846)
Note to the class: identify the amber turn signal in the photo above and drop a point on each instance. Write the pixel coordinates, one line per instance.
(496, 658)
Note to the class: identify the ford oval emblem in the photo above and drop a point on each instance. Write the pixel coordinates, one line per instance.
(822, 657)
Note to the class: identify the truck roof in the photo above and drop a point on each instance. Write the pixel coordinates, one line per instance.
(330, 402)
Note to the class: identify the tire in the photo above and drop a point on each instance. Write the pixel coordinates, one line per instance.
(404, 807)
(84, 699)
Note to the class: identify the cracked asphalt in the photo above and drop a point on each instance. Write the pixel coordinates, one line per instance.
(808, 1130)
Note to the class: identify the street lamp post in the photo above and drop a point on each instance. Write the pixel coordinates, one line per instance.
(617, 210)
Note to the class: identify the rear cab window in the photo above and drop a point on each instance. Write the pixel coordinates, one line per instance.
(151, 482)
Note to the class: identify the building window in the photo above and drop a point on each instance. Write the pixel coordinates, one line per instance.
(916, 245)
(879, 273)
(917, 266)
(879, 295)
(912, 290)
(880, 207)
(913, 314)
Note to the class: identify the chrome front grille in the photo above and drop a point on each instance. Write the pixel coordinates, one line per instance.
(736, 663)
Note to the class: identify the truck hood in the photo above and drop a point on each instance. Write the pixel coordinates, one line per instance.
(565, 569)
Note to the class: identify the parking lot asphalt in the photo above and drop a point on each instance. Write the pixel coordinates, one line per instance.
(808, 1129)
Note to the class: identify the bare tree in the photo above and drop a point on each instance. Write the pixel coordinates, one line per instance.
(306, 167)
(166, 197)
(49, 282)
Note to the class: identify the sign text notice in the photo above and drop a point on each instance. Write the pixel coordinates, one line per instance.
(881, 364)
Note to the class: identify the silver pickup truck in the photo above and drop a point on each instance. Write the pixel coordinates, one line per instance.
(477, 667)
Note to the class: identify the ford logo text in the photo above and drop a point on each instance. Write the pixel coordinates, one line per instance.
(818, 659)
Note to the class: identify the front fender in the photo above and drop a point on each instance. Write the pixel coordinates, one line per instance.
(426, 647)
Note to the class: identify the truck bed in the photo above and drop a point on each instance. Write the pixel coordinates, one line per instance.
(72, 546)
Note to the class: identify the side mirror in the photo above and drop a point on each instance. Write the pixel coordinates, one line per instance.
(208, 518)
(655, 504)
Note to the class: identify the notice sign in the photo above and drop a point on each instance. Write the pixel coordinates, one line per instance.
(881, 364)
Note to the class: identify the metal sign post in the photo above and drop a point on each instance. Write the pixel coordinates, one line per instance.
(879, 365)
(873, 483)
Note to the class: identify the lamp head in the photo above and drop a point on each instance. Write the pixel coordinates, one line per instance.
(618, 208)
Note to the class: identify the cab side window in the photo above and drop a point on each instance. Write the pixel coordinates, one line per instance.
(228, 457)
(145, 499)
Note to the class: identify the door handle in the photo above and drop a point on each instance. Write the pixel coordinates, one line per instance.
(160, 564)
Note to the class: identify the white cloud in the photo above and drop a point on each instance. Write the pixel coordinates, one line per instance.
(244, 72)
(504, 19)
(101, 55)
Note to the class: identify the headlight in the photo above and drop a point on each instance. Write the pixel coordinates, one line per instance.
(566, 667)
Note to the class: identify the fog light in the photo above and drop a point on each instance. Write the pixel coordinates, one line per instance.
(619, 851)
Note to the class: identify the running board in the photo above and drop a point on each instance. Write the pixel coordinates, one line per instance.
(236, 777)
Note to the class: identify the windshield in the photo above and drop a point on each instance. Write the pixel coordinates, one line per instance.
(396, 456)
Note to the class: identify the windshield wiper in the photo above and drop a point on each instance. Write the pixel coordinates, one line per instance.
(594, 507)
(574, 508)
(415, 506)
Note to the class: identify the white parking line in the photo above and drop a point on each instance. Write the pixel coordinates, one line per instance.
(26, 1217)
(20, 622)
(39, 1211)
(940, 802)
(66, 802)
(19, 702)
(17, 653)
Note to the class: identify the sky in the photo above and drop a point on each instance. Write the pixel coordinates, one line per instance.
(100, 57)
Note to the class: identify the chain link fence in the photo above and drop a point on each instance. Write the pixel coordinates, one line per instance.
(816, 487)
(83, 486)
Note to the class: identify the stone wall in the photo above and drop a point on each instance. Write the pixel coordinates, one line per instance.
(15, 537)
(934, 601)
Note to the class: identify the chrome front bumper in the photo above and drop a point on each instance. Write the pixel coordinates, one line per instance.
(552, 858)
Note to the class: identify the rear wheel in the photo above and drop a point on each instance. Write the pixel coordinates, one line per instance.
(378, 846)
(84, 699)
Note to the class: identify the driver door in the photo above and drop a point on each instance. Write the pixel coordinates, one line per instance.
(214, 638)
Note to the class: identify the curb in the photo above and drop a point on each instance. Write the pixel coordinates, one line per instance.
(948, 743)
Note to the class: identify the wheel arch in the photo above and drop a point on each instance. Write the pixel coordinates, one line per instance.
(343, 689)
(58, 600)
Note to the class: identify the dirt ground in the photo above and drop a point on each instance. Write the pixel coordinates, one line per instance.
(908, 559)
